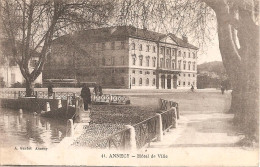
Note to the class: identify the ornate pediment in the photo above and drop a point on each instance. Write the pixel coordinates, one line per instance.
(168, 39)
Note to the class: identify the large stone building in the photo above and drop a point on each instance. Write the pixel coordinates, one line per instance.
(9, 70)
(123, 57)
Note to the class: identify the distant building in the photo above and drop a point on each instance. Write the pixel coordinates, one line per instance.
(123, 57)
(9, 70)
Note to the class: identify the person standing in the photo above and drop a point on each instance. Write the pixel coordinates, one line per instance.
(50, 89)
(192, 88)
(86, 95)
(100, 90)
(222, 89)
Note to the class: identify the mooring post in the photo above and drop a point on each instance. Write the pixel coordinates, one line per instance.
(160, 104)
(59, 103)
(48, 108)
(69, 128)
(20, 111)
(174, 118)
(130, 140)
(159, 129)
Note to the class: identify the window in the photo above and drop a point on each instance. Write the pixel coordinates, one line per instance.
(193, 83)
(179, 64)
(147, 72)
(184, 75)
(179, 83)
(133, 46)
(122, 70)
(122, 81)
(168, 51)
(147, 82)
(173, 52)
(173, 64)
(189, 54)
(189, 65)
(103, 80)
(179, 53)
(133, 71)
(147, 61)
(161, 62)
(184, 65)
(193, 75)
(103, 61)
(179, 74)
(188, 75)
(113, 45)
(140, 81)
(140, 60)
(188, 83)
(154, 81)
(183, 83)
(112, 60)
(122, 44)
(134, 59)
(154, 50)
(133, 81)
(184, 54)
(194, 66)
(122, 60)
(162, 50)
(154, 73)
(140, 47)
(194, 55)
(140, 72)
(147, 48)
(103, 46)
(154, 61)
(168, 65)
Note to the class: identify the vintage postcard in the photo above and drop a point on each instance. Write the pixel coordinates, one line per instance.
(129, 82)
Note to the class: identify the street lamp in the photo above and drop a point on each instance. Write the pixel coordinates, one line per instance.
(130, 81)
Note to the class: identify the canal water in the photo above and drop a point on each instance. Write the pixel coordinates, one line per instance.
(28, 130)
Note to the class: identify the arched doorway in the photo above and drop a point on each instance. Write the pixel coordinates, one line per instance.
(163, 81)
(169, 82)
(175, 82)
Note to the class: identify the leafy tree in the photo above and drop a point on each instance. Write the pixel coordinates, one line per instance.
(31, 25)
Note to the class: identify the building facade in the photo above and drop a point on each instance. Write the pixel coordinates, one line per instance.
(9, 70)
(124, 57)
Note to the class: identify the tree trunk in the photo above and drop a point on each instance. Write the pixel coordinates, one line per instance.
(29, 88)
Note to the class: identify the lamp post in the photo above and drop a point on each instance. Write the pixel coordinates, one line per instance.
(130, 81)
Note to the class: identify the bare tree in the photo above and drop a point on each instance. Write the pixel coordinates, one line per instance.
(31, 25)
(235, 22)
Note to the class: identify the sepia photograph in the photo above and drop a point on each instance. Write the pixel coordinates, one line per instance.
(129, 83)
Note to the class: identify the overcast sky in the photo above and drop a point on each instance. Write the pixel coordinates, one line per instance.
(210, 53)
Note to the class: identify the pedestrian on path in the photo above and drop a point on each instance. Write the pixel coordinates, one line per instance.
(192, 88)
(86, 95)
(50, 90)
(100, 90)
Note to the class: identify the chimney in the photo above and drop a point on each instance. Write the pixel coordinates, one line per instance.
(184, 38)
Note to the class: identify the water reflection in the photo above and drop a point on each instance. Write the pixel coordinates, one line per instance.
(29, 130)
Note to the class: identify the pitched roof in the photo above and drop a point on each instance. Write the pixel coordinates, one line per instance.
(120, 33)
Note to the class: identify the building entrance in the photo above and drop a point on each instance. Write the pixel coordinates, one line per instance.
(163, 81)
(175, 82)
(169, 82)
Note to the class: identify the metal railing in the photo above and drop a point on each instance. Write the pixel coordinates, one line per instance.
(115, 141)
(167, 104)
(145, 132)
(105, 98)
